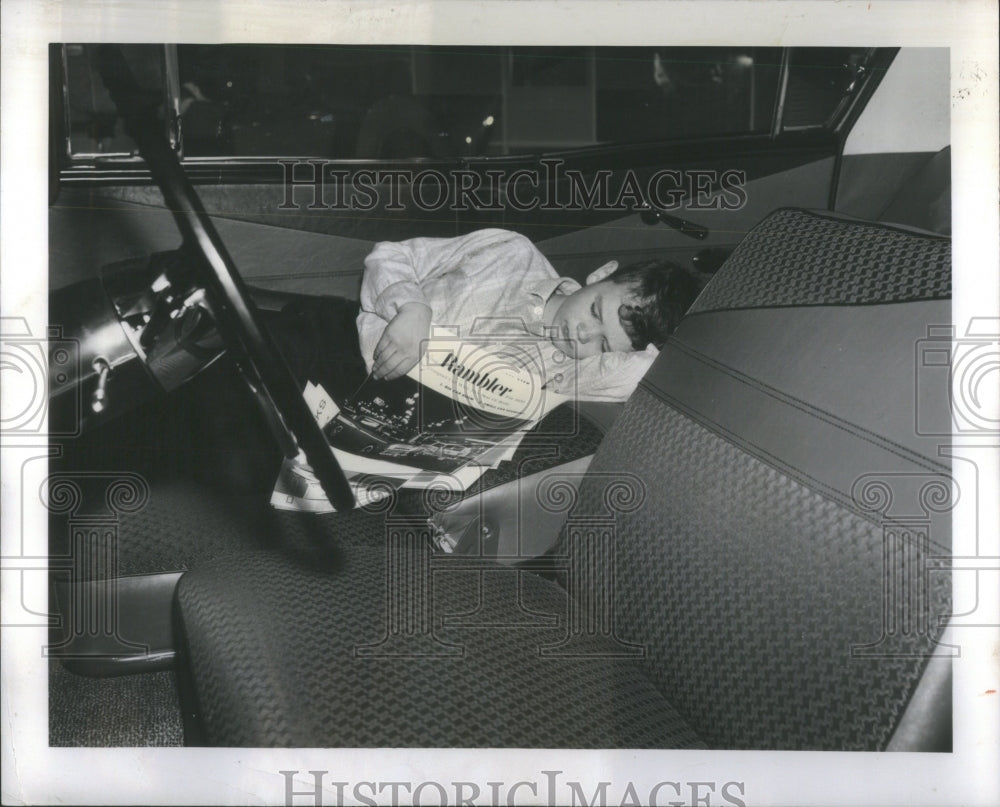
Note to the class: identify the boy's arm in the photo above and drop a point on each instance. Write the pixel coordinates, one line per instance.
(396, 270)
(402, 341)
(392, 288)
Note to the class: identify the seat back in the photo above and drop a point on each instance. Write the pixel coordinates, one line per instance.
(781, 573)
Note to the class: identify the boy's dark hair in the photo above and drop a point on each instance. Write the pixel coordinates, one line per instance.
(665, 291)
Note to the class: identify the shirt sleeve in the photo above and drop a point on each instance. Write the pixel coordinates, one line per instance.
(396, 270)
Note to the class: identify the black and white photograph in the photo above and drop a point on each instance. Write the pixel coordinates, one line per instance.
(727, 536)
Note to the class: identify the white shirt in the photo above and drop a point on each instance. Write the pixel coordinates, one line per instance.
(489, 282)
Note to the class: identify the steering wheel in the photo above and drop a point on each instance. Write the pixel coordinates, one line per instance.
(260, 363)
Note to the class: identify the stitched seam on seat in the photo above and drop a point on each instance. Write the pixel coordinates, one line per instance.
(766, 457)
(810, 409)
(781, 466)
(815, 485)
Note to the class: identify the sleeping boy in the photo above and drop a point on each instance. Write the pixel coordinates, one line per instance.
(598, 339)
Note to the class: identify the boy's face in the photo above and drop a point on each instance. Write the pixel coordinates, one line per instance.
(586, 322)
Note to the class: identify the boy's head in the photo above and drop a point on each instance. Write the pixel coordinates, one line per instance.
(622, 309)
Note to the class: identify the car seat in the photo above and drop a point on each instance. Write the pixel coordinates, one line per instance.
(754, 559)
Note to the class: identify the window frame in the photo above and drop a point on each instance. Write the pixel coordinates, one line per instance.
(119, 168)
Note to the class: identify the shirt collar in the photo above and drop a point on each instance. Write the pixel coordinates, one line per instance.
(544, 289)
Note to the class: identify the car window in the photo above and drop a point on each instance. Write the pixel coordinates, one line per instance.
(398, 102)
(92, 125)
(409, 102)
(819, 81)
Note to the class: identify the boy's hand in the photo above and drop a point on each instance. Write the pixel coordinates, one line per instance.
(402, 341)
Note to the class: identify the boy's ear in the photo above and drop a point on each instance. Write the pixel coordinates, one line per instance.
(599, 274)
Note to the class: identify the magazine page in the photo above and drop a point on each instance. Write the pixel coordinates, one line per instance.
(404, 423)
(463, 399)
(503, 380)
(298, 489)
(372, 478)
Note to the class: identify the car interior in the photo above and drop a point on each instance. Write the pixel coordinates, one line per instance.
(748, 553)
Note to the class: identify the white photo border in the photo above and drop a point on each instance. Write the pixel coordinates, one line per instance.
(34, 773)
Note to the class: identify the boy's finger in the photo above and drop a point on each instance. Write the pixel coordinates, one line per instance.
(382, 360)
(394, 357)
(396, 370)
(404, 363)
(384, 344)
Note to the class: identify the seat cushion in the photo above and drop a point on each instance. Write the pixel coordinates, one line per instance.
(801, 258)
(784, 565)
(760, 601)
(282, 654)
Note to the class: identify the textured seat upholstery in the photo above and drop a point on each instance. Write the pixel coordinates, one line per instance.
(751, 561)
(287, 655)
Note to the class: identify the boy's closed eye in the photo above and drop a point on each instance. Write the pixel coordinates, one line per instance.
(597, 313)
(595, 308)
(586, 321)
